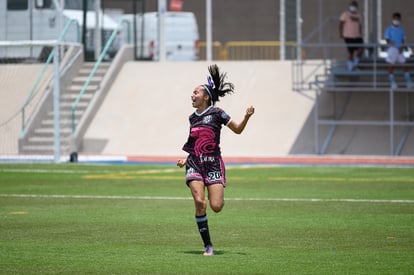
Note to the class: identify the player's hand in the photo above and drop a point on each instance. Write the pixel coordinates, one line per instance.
(250, 111)
(181, 162)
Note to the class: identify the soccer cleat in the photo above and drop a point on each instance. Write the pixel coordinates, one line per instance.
(208, 251)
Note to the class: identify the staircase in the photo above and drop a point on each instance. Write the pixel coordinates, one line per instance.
(40, 140)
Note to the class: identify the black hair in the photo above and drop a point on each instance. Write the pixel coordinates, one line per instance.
(217, 87)
(396, 14)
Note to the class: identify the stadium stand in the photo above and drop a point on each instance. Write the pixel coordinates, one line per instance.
(363, 101)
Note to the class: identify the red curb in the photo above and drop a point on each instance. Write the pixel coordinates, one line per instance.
(309, 160)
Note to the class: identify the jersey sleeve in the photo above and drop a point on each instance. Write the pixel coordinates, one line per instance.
(224, 117)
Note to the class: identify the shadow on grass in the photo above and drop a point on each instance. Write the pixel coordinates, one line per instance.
(216, 252)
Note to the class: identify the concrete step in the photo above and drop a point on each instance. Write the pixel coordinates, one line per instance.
(81, 80)
(72, 97)
(36, 150)
(78, 88)
(67, 106)
(90, 65)
(86, 72)
(41, 149)
(49, 132)
(40, 141)
(65, 113)
(64, 123)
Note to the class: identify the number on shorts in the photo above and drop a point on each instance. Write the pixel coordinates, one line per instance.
(214, 175)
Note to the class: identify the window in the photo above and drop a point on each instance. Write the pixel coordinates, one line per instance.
(78, 4)
(17, 4)
(45, 4)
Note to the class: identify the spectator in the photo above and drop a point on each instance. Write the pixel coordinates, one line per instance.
(350, 30)
(395, 36)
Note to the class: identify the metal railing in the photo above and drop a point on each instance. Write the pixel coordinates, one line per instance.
(218, 50)
(247, 50)
(256, 50)
(372, 69)
(333, 80)
(43, 71)
(95, 68)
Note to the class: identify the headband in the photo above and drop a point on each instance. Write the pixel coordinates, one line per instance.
(209, 86)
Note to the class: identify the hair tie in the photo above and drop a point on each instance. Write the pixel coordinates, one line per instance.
(210, 82)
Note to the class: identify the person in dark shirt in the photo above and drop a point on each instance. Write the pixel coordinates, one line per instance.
(204, 165)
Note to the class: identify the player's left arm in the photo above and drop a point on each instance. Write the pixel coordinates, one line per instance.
(239, 127)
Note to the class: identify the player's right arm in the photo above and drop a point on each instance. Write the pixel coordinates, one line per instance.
(181, 162)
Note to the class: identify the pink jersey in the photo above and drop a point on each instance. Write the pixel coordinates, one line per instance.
(352, 24)
(204, 138)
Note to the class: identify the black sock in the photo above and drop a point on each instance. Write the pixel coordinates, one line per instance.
(203, 228)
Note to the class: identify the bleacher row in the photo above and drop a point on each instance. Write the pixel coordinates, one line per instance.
(364, 98)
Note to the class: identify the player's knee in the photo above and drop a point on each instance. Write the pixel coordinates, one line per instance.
(217, 206)
(201, 205)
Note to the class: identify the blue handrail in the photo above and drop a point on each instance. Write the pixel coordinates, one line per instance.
(95, 68)
(43, 71)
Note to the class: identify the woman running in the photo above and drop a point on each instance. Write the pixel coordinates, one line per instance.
(204, 165)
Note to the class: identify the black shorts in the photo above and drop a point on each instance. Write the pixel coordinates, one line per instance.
(208, 169)
(350, 43)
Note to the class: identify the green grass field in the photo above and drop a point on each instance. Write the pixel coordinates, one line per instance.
(137, 219)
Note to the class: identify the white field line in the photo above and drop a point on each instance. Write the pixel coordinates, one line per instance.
(189, 198)
(94, 172)
(103, 171)
(111, 174)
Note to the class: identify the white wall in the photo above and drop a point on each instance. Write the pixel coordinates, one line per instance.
(146, 110)
(16, 82)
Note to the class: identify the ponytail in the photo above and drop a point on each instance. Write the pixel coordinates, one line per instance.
(217, 87)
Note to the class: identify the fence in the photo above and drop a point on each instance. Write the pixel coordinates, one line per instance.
(248, 50)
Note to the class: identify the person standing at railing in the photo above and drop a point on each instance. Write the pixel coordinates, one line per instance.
(395, 36)
(350, 30)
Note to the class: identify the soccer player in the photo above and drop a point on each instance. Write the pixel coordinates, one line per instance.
(350, 30)
(395, 36)
(204, 165)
